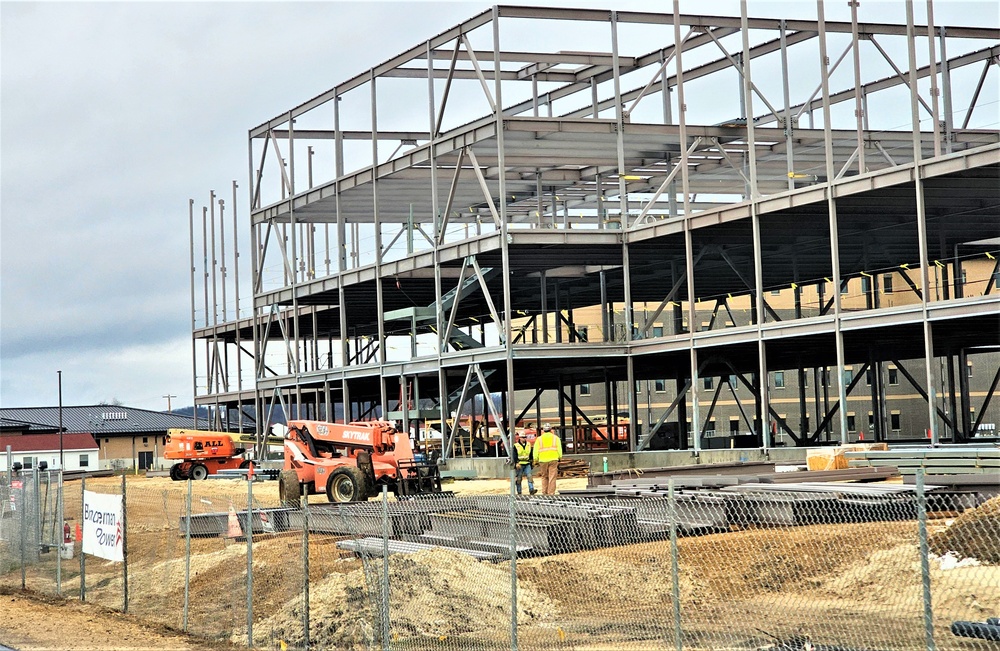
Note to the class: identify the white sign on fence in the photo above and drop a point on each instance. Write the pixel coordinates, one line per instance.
(102, 525)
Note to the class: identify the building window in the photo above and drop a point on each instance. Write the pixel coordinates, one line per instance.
(581, 333)
(660, 386)
(734, 382)
(970, 369)
(704, 325)
(708, 382)
(871, 420)
(145, 440)
(887, 283)
(775, 292)
(893, 376)
(866, 284)
(711, 427)
(868, 377)
(84, 460)
(658, 331)
(584, 389)
(29, 462)
(734, 426)
(105, 440)
(779, 379)
(848, 376)
(851, 424)
(894, 421)
(843, 286)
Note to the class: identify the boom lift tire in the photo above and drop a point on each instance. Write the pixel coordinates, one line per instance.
(175, 472)
(289, 488)
(246, 464)
(346, 484)
(198, 472)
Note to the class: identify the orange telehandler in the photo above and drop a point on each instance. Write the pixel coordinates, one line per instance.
(202, 453)
(352, 462)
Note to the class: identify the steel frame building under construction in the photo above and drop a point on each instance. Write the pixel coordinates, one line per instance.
(741, 196)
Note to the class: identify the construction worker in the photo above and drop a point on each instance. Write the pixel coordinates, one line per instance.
(525, 460)
(548, 452)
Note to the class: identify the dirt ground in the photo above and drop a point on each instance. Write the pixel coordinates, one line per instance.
(820, 575)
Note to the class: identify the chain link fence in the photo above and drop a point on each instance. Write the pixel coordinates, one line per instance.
(753, 566)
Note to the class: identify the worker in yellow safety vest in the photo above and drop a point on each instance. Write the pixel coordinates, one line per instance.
(548, 452)
(525, 460)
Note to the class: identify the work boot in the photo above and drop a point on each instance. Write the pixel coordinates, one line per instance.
(532, 491)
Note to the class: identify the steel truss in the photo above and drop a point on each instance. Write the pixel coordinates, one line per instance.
(446, 248)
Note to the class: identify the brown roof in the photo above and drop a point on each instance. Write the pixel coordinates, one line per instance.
(45, 442)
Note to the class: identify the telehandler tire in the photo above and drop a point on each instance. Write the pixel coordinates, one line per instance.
(289, 488)
(346, 484)
(198, 472)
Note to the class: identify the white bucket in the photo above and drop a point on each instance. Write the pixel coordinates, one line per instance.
(66, 551)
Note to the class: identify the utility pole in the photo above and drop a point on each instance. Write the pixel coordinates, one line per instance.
(168, 397)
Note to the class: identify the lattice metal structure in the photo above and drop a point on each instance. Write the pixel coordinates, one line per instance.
(497, 211)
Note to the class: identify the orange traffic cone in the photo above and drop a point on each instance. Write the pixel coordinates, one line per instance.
(233, 530)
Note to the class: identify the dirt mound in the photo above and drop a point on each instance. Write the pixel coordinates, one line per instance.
(974, 534)
(436, 593)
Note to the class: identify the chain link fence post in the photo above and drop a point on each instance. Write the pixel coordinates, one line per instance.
(124, 546)
(675, 583)
(305, 567)
(187, 558)
(24, 531)
(249, 535)
(60, 510)
(513, 560)
(83, 557)
(925, 570)
(385, 568)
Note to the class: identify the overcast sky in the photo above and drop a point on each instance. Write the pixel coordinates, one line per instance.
(113, 115)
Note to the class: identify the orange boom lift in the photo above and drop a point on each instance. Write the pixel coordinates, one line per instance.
(202, 453)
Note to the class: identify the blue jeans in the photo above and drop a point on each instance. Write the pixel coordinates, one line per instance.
(524, 471)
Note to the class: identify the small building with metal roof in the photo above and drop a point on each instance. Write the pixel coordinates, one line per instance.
(75, 451)
(125, 437)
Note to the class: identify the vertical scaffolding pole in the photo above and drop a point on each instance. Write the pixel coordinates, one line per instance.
(859, 112)
(789, 132)
(832, 210)
(922, 225)
(383, 344)
(932, 69)
(236, 298)
(511, 410)
(688, 236)
(194, 348)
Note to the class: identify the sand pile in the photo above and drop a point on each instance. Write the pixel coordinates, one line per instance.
(436, 593)
(974, 534)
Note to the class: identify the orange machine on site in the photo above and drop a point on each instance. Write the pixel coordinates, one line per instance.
(352, 462)
(202, 453)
